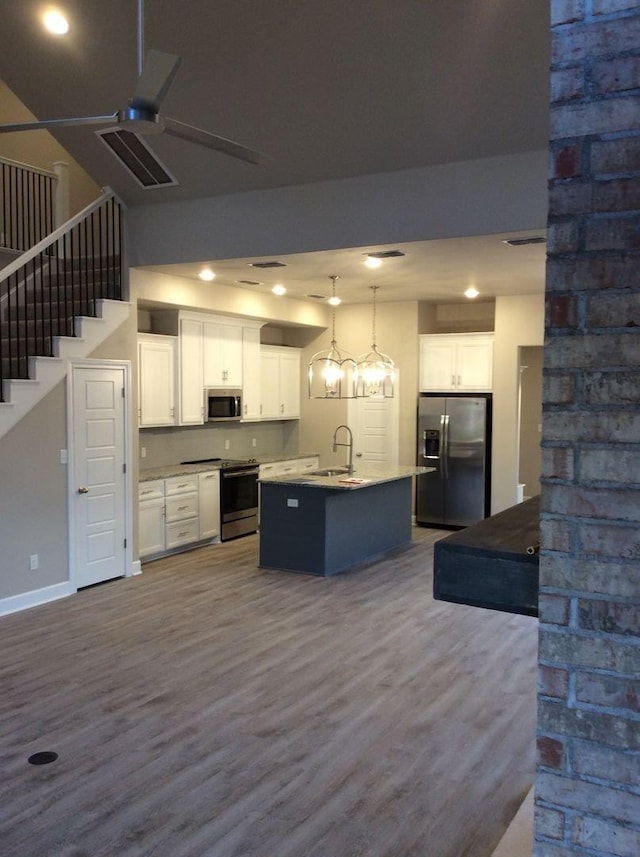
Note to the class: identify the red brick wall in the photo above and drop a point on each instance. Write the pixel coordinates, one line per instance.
(588, 778)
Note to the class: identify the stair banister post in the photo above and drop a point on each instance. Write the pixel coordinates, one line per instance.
(61, 205)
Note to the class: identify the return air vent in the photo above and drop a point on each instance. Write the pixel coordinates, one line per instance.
(134, 154)
(268, 264)
(521, 242)
(386, 254)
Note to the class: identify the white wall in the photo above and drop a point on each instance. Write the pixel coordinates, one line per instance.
(40, 149)
(452, 200)
(519, 322)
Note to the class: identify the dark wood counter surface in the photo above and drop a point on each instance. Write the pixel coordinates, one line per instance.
(487, 564)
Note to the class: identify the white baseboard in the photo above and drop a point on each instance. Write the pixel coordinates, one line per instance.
(136, 568)
(35, 597)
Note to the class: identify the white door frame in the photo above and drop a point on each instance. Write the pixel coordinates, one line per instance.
(88, 363)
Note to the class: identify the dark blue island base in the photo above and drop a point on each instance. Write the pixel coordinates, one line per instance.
(321, 530)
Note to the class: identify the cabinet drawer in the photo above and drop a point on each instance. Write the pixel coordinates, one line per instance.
(151, 490)
(181, 533)
(181, 484)
(268, 470)
(306, 464)
(181, 506)
(287, 467)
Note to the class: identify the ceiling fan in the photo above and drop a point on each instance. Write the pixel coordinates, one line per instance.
(141, 117)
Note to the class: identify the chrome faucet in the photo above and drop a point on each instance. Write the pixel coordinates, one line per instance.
(349, 445)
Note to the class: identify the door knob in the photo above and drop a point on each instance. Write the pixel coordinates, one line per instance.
(358, 455)
(83, 490)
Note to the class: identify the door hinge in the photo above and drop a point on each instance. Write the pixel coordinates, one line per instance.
(124, 468)
(125, 542)
(123, 392)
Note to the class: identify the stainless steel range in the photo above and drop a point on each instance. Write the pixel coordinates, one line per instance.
(238, 495)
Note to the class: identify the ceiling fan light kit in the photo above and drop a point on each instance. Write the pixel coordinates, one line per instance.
(142, 117)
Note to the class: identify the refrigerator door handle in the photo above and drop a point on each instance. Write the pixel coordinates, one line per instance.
(444, 422)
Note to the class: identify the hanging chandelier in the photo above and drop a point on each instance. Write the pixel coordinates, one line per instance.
(375, 371)
(332, 373)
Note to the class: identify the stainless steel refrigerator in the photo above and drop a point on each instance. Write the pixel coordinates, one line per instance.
(454, 437)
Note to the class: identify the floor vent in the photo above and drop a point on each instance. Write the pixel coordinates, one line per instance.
(136, 156)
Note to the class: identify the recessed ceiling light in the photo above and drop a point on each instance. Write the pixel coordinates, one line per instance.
(279, 289)
(55, 22)
(373, 262)
(471, 292)
(207, 275)
(335, 300)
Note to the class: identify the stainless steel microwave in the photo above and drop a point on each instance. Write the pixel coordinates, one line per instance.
(222, 405)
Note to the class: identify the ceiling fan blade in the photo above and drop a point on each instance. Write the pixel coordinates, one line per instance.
(156, 78)
(211, 141)
(59, 123)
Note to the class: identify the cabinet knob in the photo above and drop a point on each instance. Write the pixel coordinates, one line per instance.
(83, 490)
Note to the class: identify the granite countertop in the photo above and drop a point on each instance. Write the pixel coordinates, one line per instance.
(363, 476)
(169, 470)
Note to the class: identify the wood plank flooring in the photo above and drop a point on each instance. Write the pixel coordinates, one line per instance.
(208, 708)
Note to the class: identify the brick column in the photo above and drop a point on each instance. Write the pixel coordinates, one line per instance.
(588, 776)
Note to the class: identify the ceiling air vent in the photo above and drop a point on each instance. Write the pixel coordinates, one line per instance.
(249, 283)
(386, 254)
(316, 297)
(521, 242)
(134, 154)
(268, 264)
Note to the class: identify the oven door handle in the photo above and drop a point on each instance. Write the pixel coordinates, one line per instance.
(239, 474)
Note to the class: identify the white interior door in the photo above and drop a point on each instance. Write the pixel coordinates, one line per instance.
(374, 422)
(98, 491)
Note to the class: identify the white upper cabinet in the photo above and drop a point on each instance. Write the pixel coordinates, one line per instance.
(222, 355)
(191, 377)
(156, 380)
(280, 382)
(250, 373)
(456, 362)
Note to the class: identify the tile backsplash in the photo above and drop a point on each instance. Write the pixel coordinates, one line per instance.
(171, 445)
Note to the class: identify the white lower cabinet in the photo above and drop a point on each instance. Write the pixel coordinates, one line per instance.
(209, 495)
(151, 518)
(176, 512)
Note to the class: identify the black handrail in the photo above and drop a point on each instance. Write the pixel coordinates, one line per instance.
(62, 278)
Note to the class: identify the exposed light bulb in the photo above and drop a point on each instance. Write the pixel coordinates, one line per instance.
(207, 275)
(334, 300)
(55, 22)
(471, 292)
(373, 262)
(279, 289)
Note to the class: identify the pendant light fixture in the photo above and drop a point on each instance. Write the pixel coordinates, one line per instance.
(375, 371)
(332, 373)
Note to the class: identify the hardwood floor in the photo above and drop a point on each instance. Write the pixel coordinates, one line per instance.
(210, 709)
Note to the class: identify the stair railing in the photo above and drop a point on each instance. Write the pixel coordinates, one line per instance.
(61, 277)
(28, 204)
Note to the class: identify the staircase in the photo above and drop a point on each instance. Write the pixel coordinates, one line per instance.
(58, 301)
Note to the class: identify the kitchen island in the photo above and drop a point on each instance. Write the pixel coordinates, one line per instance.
(325, 524)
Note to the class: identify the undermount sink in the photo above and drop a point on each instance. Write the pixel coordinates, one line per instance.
(330, 471)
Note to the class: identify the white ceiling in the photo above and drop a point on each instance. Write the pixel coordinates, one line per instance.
(436, 271)
(326, 90)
